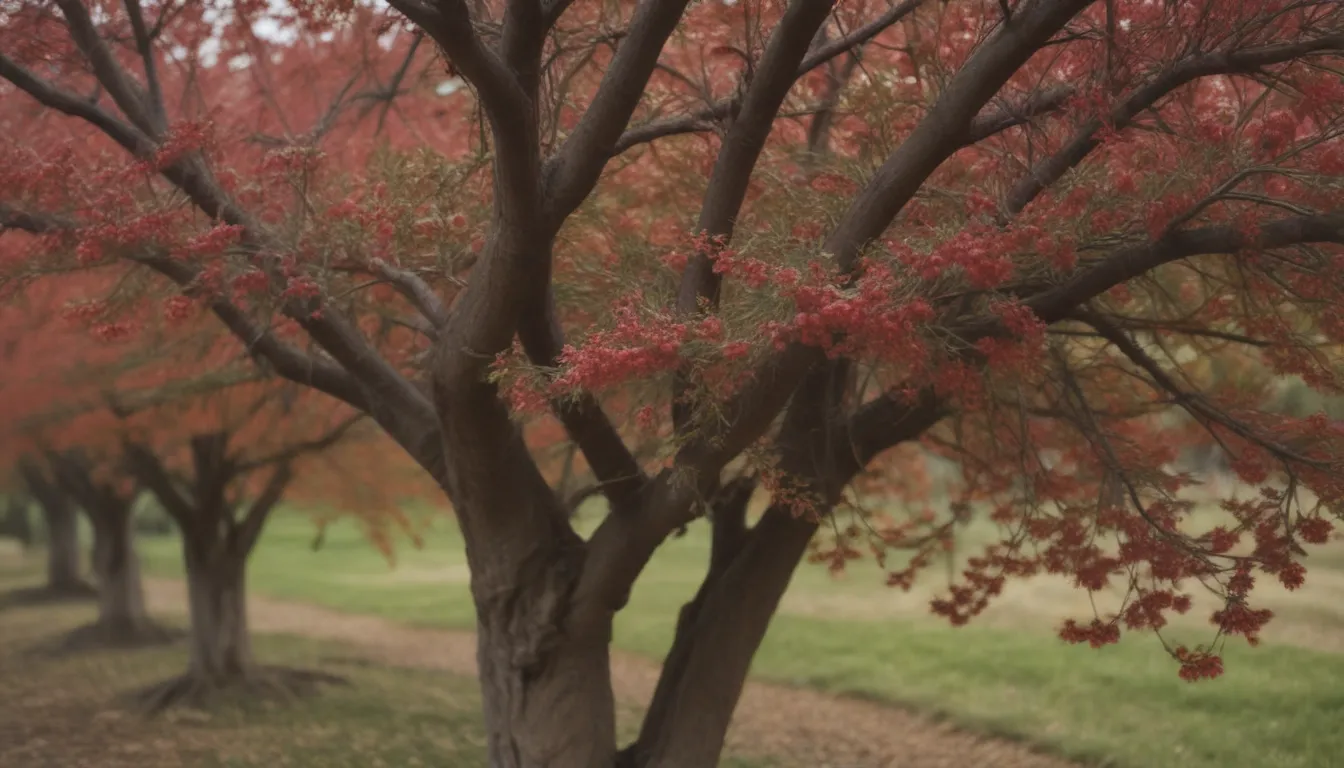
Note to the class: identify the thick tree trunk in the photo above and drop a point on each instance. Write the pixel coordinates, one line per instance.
(221, 649)
(556, 712)
(544, 670)
(121, 594)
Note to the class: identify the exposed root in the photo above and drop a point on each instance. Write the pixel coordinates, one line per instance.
(284, 684)
(107, 635)
(48, 595)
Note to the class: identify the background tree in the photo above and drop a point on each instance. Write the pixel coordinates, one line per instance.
(108, 501)
(60, 519)
(40, 349)
(998, 228)
(219, 489)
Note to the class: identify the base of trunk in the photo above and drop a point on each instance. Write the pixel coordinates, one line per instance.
(102, 635)
(47, 594)
(284, 684)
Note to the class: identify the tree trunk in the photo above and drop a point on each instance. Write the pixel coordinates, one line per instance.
(544, 665)
(121, 595)
(221, 649)
(63, 571)
(554, 712)
(707, 667)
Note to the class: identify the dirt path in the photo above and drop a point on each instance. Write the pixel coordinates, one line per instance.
(807, 727)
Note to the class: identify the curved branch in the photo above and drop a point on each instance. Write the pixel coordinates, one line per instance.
(248, 530)
(416, 291)
(292, 452)
(1192, 402)
(131, 138)
(1246, 61)
(141, 462)
(947, 126)
(742, 147)
(705, 118)
(128, 94)
(570, 175)
(449, 23)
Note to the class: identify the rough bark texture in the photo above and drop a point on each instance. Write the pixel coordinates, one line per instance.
(121, 596)
(554, 713)
(220, 648)
(544, 666)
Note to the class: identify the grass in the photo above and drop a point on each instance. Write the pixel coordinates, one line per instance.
(1278, 706)
(70, 711)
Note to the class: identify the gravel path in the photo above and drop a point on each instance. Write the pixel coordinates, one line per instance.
(798, 726)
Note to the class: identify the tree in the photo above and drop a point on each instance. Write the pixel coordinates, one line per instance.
(64, 571)
(998, 229)
(108, 502)
(31, 340)
(217, 445)
(228, 485)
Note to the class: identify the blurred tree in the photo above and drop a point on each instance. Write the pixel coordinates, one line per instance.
(61, 522)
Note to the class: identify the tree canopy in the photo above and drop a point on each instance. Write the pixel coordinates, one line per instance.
(732, 247)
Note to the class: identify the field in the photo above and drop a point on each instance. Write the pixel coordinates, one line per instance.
(1006, 675)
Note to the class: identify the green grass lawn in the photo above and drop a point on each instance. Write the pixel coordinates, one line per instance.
(72, 710)
(1277, 706)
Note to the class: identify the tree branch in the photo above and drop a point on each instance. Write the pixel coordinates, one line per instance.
(294, 451)
(36, 223)
(449, 23)
(742, 147)
(131, 138)
(416, 291)
(249, 529)
(1124, 264)
(1246, 61)
(947, 126)
(827, 51)
(1192, 402)
(707, 117)
(887, 421)
(141, 462)
(991, 122)
(573, 171)
(287, 360)
(144, 43)
(128, 95)
(620, 477)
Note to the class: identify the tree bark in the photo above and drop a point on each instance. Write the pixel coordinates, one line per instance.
(727, 629)
(221, 648)
(544, 665)
(121, 595)
(550, 714)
